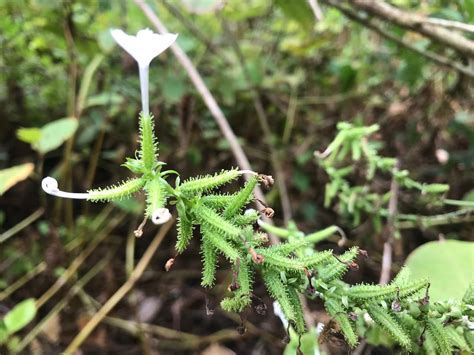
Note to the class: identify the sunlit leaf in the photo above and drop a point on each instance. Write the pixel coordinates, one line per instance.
(22, 314)
(55, 133)
(11, 176)
(29, 135)
(299, 11)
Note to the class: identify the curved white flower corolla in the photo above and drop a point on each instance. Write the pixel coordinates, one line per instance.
(160, 216)
(50, 186)
(143, 47)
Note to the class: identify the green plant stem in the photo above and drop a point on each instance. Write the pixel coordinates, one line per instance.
(71, 111)
(390, 231)
(290, 116)
(207, 97)
(460, 203)
(94, 159)
(426, 222)
(86, 83)
(121, 292)
(279, 232)
(22, 225)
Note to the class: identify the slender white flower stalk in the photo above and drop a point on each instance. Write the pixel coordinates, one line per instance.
(50, 186)
(143, 47)
(242, 172)
(160, 216)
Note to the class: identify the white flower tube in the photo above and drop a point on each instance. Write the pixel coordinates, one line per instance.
(50, 186)
(143, 47)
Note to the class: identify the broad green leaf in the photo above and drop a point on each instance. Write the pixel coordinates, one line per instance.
(22, 314)
(448, 265)
(29, 135)
(55, 133)
(11, 176)
(469, 9)
(299, 11)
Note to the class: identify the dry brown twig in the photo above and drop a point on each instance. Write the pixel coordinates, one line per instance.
(390, 232)
(370, 24)
(122, 291)
(417, 23)
(318, 14)
(455, 25)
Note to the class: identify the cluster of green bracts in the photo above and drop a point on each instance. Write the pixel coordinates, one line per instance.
(289, 269)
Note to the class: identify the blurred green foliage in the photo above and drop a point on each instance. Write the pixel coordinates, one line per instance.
(16, 319)
(57, 61)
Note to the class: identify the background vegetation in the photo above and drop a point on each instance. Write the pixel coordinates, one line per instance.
(284, 80)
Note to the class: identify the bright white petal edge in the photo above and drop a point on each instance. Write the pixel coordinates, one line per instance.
(145, 46)
(50, 186)
(160, 216)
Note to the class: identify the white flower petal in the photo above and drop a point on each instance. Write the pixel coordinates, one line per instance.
(50, 186)
(145, 46)
(160, 216)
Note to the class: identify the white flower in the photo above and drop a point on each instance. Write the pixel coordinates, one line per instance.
(160, 216)
(145, 46)
(50, 186)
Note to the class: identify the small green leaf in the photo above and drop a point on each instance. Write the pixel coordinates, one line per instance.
(51, 135)
(29, 135)
(134, 165)
(22, 314)
(345, 301)
(435, 188)
(299, 11)
(11, 176)
(448, 265)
